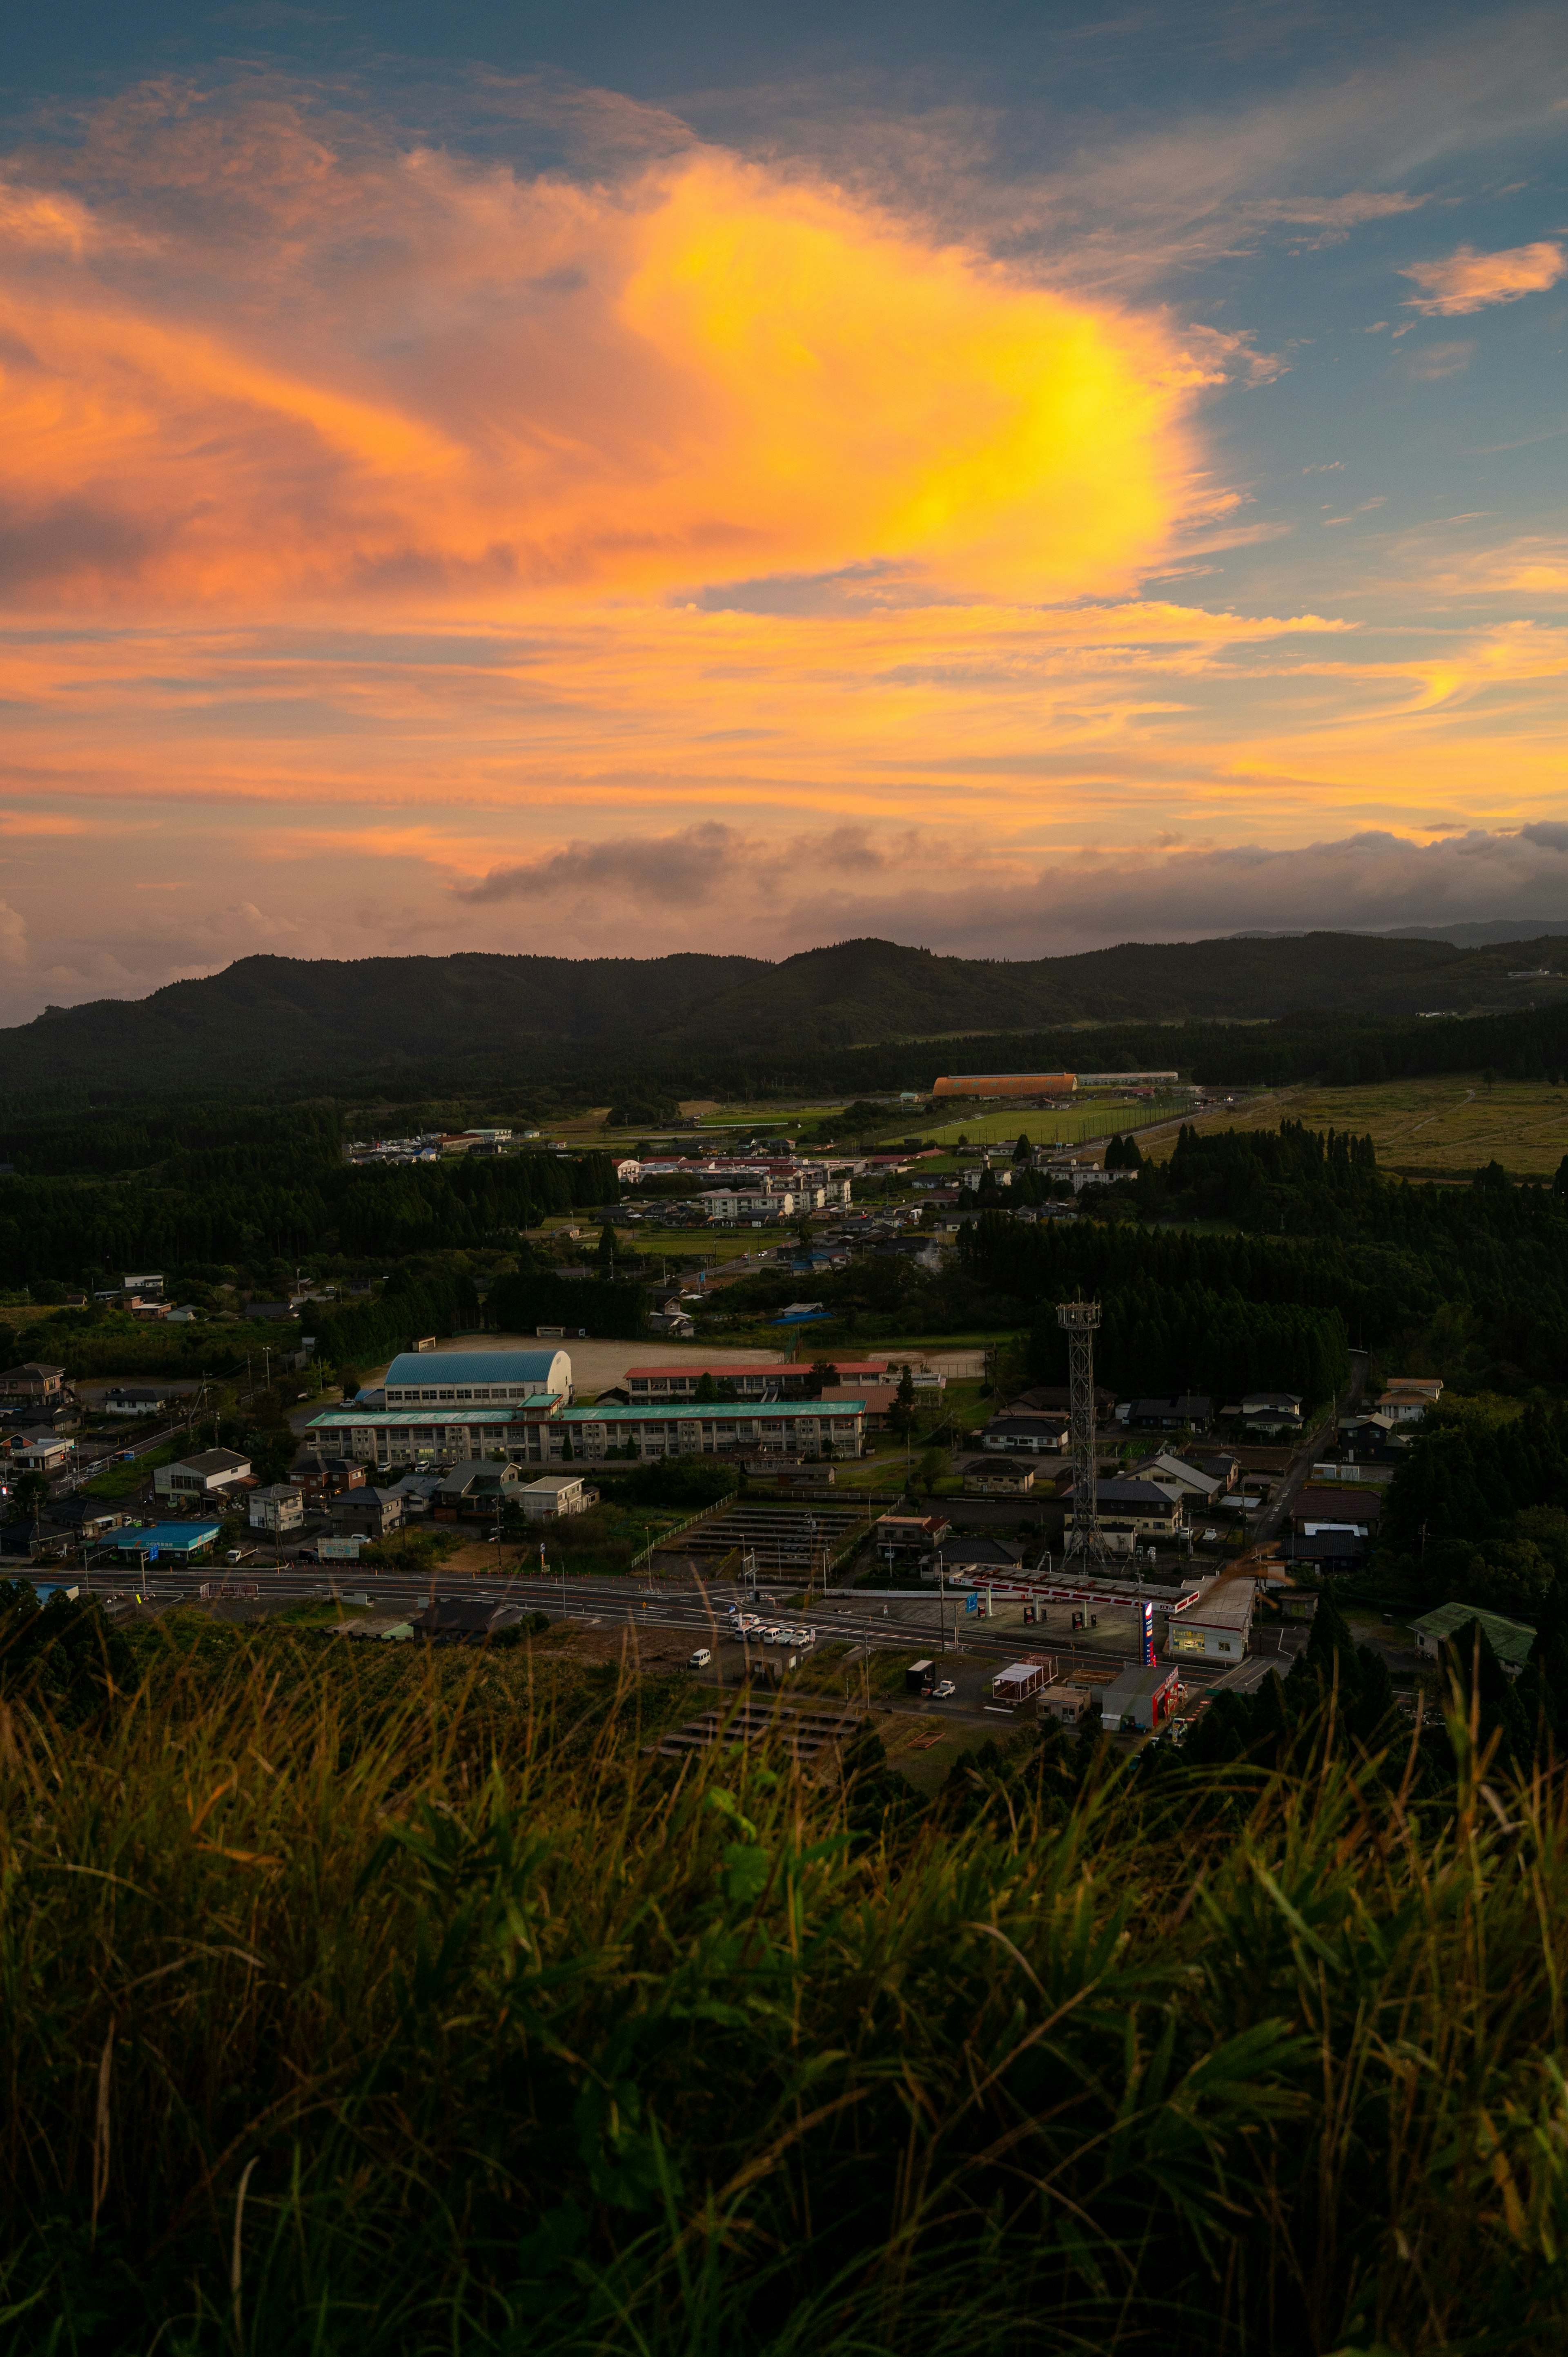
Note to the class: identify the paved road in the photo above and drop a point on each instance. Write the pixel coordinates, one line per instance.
(609, 1603)
(1277, 1513)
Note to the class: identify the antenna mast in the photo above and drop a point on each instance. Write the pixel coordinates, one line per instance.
(1084, 1543)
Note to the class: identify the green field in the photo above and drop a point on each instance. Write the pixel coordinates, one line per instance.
(986, 1124)
(1423, 1128)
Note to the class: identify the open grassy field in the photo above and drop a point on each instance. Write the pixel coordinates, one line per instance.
(984, 1123)
(1426, 1128)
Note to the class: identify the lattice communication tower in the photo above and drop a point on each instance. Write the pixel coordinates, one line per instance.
(1084, 1543)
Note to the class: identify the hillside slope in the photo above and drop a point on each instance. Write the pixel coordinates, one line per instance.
(274, 1021)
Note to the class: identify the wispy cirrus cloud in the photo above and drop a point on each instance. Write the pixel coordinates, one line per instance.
(1467, 280)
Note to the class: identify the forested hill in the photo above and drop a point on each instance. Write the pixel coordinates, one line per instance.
(277, 1021)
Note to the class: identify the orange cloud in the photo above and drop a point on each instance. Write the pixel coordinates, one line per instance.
(1468, 281)
(706, 372)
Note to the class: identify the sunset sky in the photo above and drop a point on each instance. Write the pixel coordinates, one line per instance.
(623, 479)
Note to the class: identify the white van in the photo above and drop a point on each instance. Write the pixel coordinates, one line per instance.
(700, 1659)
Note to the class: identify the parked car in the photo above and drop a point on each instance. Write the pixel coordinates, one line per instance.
(945, 1692)
(700, 1659)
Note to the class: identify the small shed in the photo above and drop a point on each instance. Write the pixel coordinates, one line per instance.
(1065, 1704)
(1018, 1682)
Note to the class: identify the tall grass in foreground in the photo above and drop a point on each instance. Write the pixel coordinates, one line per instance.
(343, 2020)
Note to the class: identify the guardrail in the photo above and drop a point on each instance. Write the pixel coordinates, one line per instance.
(656, 1547)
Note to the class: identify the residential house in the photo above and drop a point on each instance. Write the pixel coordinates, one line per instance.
(1129, 1511)
(1271, 1412)
(1408, 1397)
(989, 1479)
(1177, 1473)
(1186, 1411)
(1049, 1399)
(41, 1452)
(1038, 1435)
(365, 1512)
(1316, 1509)
(478, 1487)
(978, 1558)
(279, 1508)
(1327, 1551)
(910, 1533)
(318, 1477)
(134, 1399)
(554, 1495)
(32, 1385)
(207, 1475)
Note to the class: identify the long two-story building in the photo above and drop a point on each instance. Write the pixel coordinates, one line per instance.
(719, 1428)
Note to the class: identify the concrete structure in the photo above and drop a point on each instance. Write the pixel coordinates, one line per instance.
(1140, 1699)
(1217, 1623)
(207, 1475)
(719, 1429)
(439, 1378)
(410, 1436)
(789, 1379)
(279, 1508)
(554, 1495)
(1510, 1641)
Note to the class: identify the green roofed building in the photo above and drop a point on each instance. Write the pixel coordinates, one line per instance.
(1510, 1641)
(706, 1429)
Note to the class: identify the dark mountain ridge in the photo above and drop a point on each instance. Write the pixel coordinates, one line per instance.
(275, 1022)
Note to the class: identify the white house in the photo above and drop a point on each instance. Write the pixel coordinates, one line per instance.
(554, 1495)
(279, 1508)
(207, 1475)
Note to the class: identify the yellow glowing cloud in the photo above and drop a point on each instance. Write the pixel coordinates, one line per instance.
(855, 396)
(1468, 281)
(707, 374)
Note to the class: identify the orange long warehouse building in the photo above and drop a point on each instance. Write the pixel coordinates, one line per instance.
(1006, 1084)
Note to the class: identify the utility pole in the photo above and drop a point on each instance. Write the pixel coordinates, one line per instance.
(1079, 1320)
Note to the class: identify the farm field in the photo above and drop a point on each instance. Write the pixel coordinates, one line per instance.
(1426, 1128)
